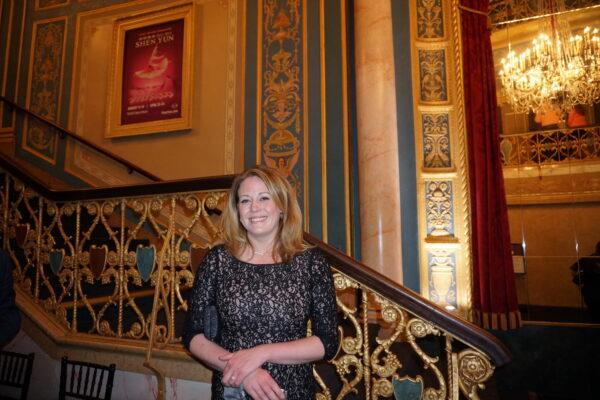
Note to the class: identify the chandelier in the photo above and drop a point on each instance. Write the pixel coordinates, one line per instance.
(560, 68)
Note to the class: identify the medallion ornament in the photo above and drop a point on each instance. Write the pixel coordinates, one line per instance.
(473, 370)
(55, 259)
(98, 257)
(145, 257)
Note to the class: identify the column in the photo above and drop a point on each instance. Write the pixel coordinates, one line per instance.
(379, 181)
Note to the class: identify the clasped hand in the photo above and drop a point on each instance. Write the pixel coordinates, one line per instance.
(244, 367)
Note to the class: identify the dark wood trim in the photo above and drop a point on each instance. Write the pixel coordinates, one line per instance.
(64, 132)
(144, 189)
(461, 329)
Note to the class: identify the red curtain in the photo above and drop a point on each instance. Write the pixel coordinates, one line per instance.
(494, 296)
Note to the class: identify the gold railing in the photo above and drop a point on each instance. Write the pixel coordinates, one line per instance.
(551, 147)
(116, 264)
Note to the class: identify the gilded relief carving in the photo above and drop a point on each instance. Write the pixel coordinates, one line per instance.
(282, 102)
(430, 19)
(432, 70)
(43, 4)
(442, 277)
(44, 92)
(473, 370)
(439, 209)
(436, 141)
(509, 10)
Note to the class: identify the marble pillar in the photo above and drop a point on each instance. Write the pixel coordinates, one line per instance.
(379, 181)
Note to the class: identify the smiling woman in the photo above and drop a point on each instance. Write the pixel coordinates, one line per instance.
(259, 215)
(262, 192)
(265, 284)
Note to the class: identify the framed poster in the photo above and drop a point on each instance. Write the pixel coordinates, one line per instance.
(150, 88)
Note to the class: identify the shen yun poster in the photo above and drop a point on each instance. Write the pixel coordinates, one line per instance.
(151, 86)
(152, 73)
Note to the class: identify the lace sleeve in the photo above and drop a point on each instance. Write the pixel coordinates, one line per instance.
(323, 308)
(202, 295)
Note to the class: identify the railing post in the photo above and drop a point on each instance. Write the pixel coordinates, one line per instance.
(5, 207)
(76, 282)
(38, 246)
(168, 243)
(366, 352)
(121, 274)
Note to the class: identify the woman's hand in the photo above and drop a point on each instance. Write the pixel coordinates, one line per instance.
(240, 364)
(260, 385)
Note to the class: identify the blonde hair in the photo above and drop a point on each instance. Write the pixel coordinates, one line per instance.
(288, 241)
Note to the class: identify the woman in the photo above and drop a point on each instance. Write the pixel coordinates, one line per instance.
(266, 284)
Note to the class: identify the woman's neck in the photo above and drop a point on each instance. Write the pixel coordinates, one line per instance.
(259, 251)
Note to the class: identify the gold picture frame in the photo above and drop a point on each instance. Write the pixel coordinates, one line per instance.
(150, 86)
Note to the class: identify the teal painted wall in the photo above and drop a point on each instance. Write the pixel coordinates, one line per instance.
(334, 205)
(326, 198)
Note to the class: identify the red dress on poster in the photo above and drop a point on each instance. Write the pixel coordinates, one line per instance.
(153, 77)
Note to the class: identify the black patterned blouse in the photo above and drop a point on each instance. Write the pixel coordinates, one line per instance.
(266, 303)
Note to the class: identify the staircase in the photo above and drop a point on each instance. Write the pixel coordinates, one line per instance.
(107, 270)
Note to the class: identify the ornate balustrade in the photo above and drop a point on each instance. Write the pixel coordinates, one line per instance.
(551, 147)
(115, 264)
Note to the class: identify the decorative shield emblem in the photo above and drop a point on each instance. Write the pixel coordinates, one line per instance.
(145, 257)
(98, 257)
(56, 258)
(407, 389)
(21, 231)
(196, 256)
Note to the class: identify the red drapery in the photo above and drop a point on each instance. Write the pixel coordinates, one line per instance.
(494, 296)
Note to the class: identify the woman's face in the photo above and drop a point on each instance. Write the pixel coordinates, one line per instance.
(257, 211)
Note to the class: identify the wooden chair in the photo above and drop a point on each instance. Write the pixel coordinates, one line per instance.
(88, 381)
(15, 372)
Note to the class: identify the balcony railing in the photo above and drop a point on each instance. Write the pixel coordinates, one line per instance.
(116, 265)
(551, 147)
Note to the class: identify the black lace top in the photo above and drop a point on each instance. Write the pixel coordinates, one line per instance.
(266, 303)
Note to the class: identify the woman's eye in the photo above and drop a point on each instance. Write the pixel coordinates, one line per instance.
(244, 201)
(265, 198)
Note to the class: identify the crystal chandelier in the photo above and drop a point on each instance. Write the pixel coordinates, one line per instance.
(560, 68)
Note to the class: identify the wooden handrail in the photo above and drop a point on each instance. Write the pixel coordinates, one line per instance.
(65, 132)
(141, 189)
(459, 328)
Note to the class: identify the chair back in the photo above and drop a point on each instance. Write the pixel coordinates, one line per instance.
(15, 371)
(83, 380)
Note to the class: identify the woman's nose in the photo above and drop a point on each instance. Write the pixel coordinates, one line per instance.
(254, 205)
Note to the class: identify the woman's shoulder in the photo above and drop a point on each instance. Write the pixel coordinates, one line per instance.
(311, 255)
(217, 254)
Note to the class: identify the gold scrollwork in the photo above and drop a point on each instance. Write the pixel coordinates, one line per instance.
(473, 369)
(418, 329)
(432, 69)
(430, 21)
(348, 364)
(391, 314)
(54, 267)
(436, 140)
